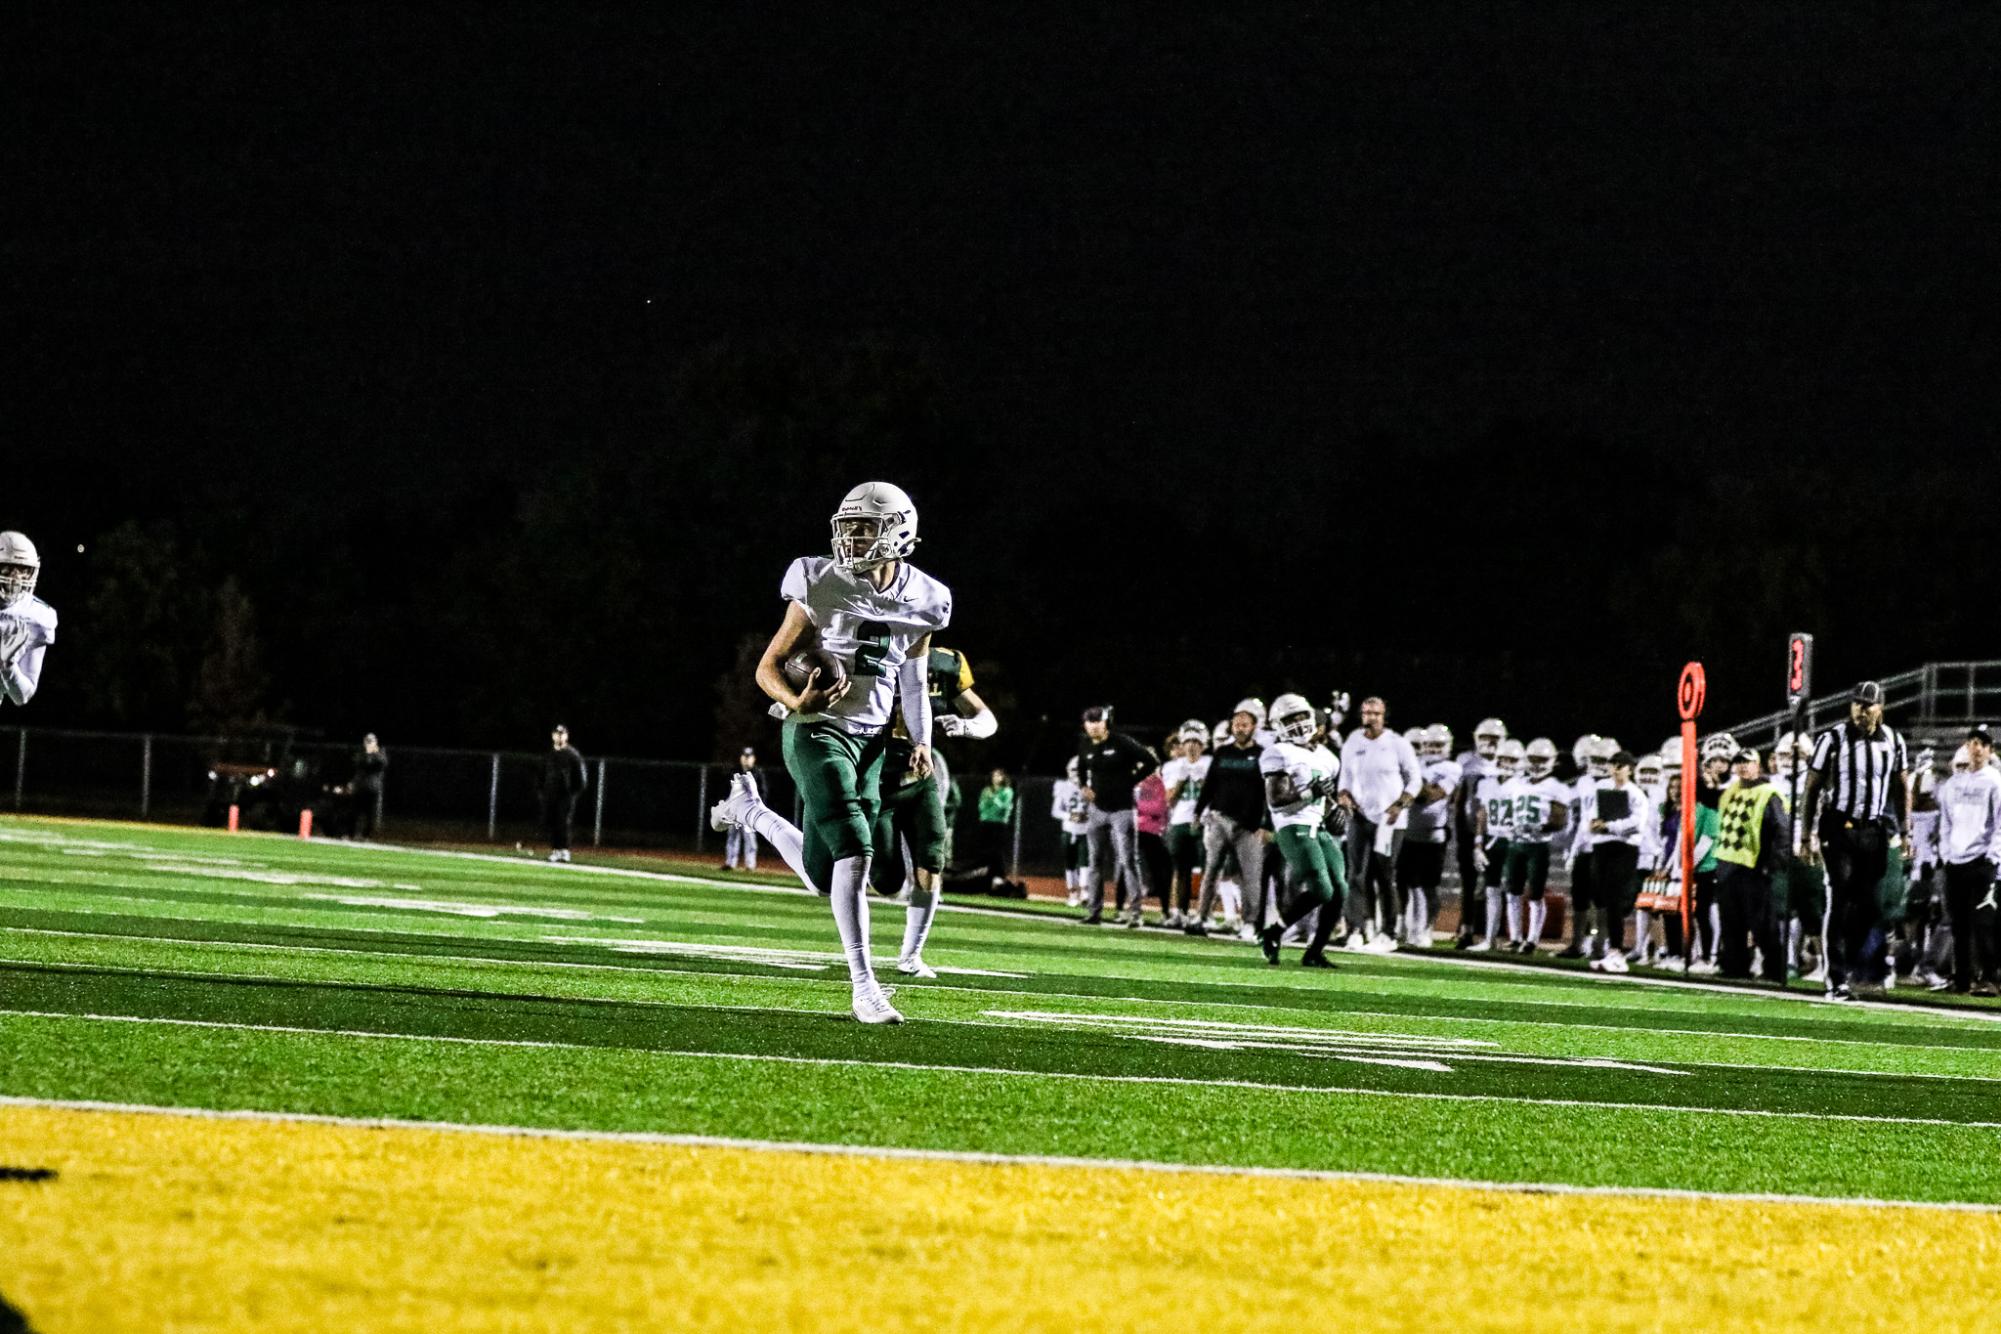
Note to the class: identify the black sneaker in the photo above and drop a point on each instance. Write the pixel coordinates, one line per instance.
(1095, 919)
(1268, 941)
(1315, 959)
(1194, 929)
(1528, 948)
(1841, 991)
(1574, 952)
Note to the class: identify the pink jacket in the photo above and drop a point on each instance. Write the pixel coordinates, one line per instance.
(1150, 804)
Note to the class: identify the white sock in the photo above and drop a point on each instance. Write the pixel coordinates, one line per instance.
(850, 896)
(1494, 909)
(1644, 930)
(917, 920)
(1514, 917)
(1231, 897)
(783, 835)
(1538, 911)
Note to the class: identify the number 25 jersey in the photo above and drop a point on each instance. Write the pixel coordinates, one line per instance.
(870, 630)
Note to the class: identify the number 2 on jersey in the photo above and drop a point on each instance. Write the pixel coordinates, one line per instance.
(871, 648)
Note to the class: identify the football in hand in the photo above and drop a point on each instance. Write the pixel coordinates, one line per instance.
(800, 667)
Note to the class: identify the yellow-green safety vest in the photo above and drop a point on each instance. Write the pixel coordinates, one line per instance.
(1740, 813)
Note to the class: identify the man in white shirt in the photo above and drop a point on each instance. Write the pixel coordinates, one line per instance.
(1970, 842)
(1380, 778)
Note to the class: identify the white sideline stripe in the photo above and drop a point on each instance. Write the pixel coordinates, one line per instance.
(926, 1068)
(896, 1153)
(487, 961)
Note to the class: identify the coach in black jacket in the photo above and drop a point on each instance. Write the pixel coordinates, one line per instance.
(1109, 765)
(564, 778)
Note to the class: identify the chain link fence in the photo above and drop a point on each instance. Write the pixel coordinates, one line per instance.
(429, 794)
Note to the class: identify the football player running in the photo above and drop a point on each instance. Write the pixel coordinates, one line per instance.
(1299, 778)
(1541, 808)
(912, 817)
(875, 612)
(27, 624)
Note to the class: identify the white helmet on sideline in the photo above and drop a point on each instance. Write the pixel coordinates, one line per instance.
(1508, 756)
(20, 566)
(1540, 757)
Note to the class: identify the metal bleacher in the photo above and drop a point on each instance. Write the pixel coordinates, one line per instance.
(1929, 704)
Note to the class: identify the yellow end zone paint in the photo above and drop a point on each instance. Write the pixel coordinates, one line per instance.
(160, 1221)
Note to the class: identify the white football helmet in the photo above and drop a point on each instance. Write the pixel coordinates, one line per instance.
(1582, 749)
(1924, 761)
(1070, 770)
(1508, 757)
(1540, 757)
(1438, 742)
(1292, 719)
(1253, 706)
(1220, 737)
(20, 566)
(1337, 710)
(875, 524)
(1488, 736)
(1719, 745)
(1194, 730)
(1599, 762)
(1650, 772)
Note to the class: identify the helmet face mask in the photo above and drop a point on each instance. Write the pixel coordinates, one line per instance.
(1649, 772)
(1508, 757)
(1599, 762)
(20, 566)
(1540, 757)
(1488, 736)
(1292, 719)
(875, 525)
(1436, 743)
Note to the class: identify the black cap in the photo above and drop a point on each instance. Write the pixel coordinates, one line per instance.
(1744, 753)
(1869, 692)
(1978, 732)
(1098, 713)
(747, 750)
(1622, 759)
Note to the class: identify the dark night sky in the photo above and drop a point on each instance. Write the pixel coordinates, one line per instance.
(507, 358)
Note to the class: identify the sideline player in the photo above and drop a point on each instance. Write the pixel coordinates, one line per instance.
(911, 823)
(27, 624)
(875, 612)
(1541, 807)
(1183, 776)
(1299, 778)
(1474, 765)
(1421, 866)
(1067, 808)
(1493, 822)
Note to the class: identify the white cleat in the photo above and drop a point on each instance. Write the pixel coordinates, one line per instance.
(914, 966)
(735, 810)
(1614, 962)
(872, 1005)
(1481, 947)
(1381, 944)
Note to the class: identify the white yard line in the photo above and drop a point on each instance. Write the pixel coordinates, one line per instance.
(970, 991)
(984, 1158)
(1004, 1072)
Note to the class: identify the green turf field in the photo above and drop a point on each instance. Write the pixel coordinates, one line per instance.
(170, 968)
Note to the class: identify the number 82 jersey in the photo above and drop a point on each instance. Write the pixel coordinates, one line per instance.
(870, 630)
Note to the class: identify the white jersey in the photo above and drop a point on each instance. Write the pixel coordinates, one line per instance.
(1304, 765)
(1430, 821)
(1188, 776)
(1499, 804)
(870, 630)
(1623, 811)
(1533, 799)
(26, 629)
(1068, 805)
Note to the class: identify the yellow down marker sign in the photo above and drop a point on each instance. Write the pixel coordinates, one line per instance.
(156, 1222)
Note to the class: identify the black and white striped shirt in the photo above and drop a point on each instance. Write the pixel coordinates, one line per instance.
(1856, 770)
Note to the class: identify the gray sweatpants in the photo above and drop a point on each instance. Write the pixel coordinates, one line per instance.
(740, 849)
(1114, 843)
(1219, 835)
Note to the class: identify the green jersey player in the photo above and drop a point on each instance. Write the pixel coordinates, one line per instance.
(912, 816)
(1299, 778)
(875, 612)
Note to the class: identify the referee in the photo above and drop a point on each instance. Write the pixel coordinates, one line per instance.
(1857, 799)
